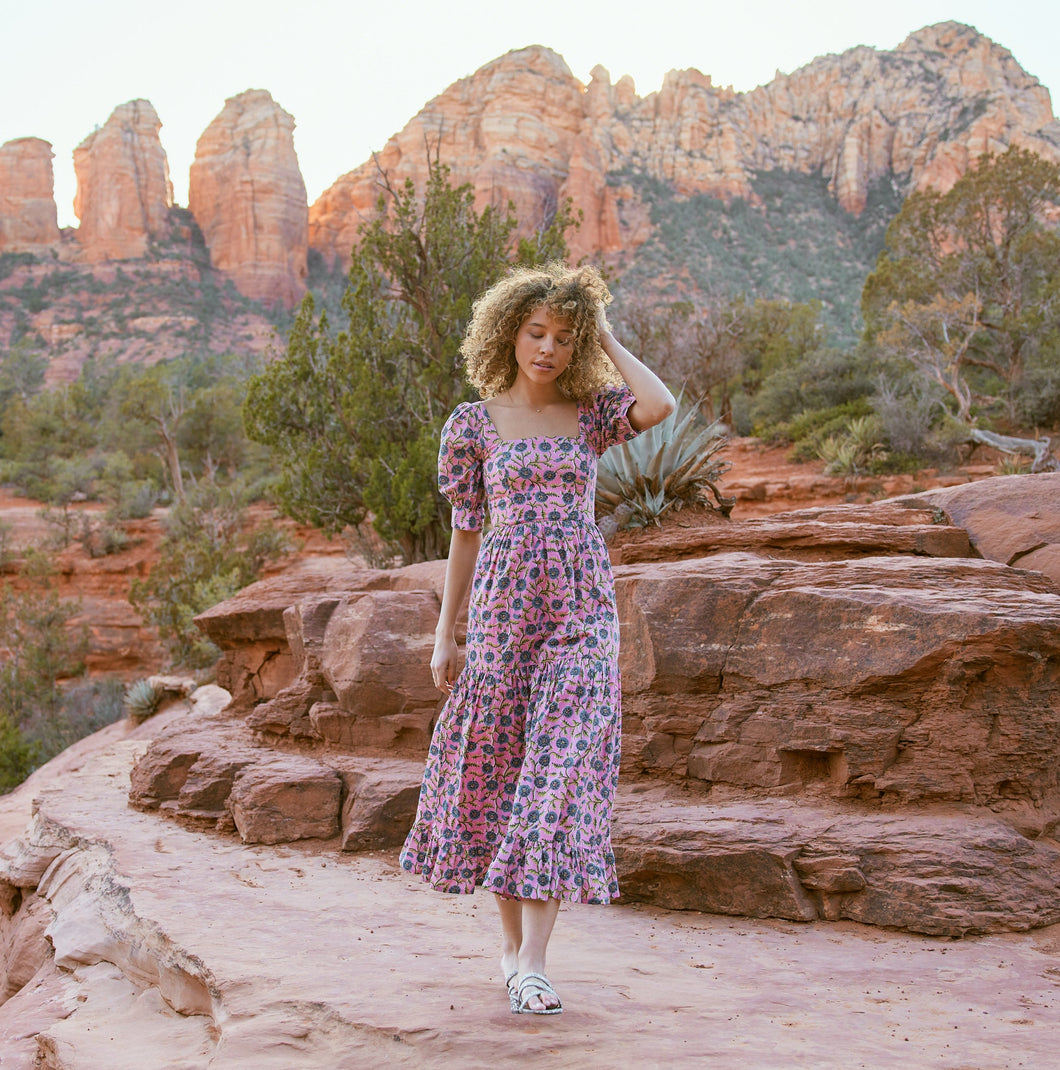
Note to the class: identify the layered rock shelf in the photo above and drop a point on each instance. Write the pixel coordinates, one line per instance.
(793, 702)
(870, 738)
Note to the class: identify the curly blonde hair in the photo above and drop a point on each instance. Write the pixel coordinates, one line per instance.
(577, 295)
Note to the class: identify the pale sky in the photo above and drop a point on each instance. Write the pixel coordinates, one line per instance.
(354, 73)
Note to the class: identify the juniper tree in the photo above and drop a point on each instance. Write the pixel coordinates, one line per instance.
(967, 287)
(355, 415)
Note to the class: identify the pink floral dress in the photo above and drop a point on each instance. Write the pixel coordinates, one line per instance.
(523, 764)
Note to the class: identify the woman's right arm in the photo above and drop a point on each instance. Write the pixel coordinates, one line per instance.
(463, 552)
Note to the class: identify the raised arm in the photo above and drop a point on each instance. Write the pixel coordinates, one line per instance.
(654, 401)
(463, 552)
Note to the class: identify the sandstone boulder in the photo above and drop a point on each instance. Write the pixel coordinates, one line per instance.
(273, 634)
(123, 188)
(217, 775)
(247, 194)
(1012, 519)
(28, 219)
(380, 804)
(940, 872)
(376, 660)
(285, 798)
(910, 679)
(258, 660)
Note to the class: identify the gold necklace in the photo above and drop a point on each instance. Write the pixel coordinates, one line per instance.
(512, 400)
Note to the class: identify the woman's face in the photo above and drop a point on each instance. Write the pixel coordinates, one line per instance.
(544, 346)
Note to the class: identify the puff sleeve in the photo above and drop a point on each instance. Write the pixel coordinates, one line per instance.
(460, 468)
(608, 423)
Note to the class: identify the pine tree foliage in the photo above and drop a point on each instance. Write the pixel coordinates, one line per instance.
(355, 416)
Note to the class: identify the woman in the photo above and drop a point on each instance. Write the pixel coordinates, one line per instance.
(523, 765)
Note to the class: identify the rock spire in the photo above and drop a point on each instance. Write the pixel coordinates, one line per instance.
(123, 189)
(247, 195)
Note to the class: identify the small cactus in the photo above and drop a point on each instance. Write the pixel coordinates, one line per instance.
(142, 699)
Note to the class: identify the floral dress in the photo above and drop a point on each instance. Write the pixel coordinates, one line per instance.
(523, 763)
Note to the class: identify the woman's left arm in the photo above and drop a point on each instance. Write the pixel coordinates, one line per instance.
(654, 402)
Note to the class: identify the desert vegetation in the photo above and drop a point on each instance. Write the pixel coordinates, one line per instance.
(958, 345)
(955, 342)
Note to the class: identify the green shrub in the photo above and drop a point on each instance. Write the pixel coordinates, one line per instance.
(84, 707)
(40, 646)
(853, 451)
(6, 543)
(809, 429)
(210, 550)
(19, 756)
(825, 380)
(134, 500)
(99, 539)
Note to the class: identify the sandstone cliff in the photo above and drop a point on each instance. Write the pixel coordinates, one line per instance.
(27, 198)
(123, 188)
(247, 195)
(524, 128)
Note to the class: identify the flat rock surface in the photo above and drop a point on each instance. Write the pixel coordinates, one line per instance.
(1012, 519)
(817, 534)
(298, 956)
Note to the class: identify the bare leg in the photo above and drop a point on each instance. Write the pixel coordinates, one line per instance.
(538, 918)
(511, 911)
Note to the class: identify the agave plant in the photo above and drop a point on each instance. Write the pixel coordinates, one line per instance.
(669, 466)
(851, 453)
(142, 699)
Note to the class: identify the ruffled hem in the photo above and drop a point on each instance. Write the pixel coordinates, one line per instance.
(517, 871)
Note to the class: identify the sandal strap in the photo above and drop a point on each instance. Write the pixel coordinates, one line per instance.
(538, 982)
(533, 985)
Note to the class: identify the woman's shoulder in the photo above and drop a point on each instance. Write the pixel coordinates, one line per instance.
(609, 397)
(465, 421)
(466, 412)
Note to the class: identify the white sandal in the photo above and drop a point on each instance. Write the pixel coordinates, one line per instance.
(538, 985)
(513, 991)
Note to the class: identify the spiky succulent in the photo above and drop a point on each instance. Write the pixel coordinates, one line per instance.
(142, 698)
(669, 466)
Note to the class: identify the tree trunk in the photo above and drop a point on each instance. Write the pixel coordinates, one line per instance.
(1038, 448)
(173, 463)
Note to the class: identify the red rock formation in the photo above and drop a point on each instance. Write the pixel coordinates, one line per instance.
(509, 130)
(855, 689)
(523, 127)
(247, 195)
(27, 198)
(123, 189)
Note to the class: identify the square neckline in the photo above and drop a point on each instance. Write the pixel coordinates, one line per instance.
(533, 438)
